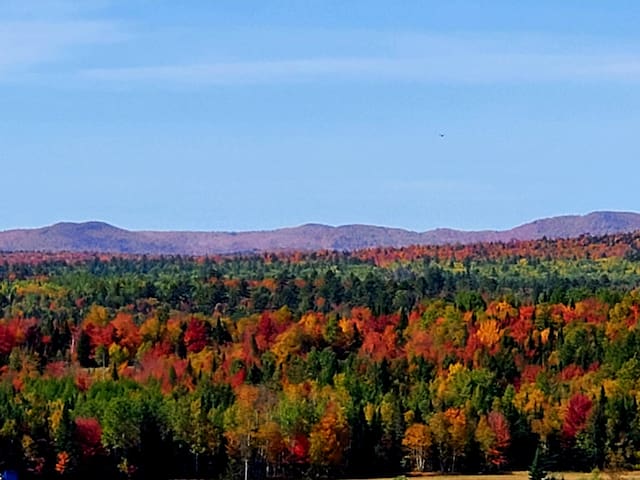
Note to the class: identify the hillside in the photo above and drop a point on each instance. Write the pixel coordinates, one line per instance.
(102, 237)
(451, 359)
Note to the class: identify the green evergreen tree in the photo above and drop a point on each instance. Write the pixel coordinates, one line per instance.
(536, 470)
(84, 350)
(600, 430)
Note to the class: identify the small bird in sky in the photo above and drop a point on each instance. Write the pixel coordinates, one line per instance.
(442, 135)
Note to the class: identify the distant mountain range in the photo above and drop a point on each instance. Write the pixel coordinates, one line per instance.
(102, 237)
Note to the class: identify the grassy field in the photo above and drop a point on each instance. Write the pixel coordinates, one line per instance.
(634, 475)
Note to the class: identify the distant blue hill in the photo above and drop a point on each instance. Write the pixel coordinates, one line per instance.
(102, 237)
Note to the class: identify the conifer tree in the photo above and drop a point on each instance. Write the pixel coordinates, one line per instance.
(536, 470)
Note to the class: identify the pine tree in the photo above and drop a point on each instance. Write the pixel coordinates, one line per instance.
(536, 471)
(600, 430)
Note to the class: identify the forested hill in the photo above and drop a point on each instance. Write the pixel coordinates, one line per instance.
(453, 358)
(102, 237)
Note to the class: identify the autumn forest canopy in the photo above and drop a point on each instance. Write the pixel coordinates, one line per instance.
(432, 358)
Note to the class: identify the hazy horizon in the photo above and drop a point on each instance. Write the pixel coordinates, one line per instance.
(398, 227)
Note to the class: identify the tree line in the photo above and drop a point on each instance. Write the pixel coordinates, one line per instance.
(450, 359)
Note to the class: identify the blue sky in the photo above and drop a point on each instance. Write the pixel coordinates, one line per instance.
(239, 115)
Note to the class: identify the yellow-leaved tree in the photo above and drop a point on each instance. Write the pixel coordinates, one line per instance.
(417, 441)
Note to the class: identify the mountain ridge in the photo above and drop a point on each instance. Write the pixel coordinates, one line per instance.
(97, 236)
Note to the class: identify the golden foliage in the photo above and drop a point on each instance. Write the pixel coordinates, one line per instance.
(489, 333)
(417, 440)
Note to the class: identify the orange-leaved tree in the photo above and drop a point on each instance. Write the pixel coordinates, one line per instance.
(417, 441)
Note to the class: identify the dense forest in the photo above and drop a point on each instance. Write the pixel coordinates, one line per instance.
(286, 365)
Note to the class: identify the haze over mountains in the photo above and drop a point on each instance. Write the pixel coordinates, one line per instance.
(102, 237)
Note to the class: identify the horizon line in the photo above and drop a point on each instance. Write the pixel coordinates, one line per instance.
(317, 224)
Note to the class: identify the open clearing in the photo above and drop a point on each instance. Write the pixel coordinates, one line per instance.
(632, 475)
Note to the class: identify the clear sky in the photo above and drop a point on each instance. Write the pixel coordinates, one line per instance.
(238, 115)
